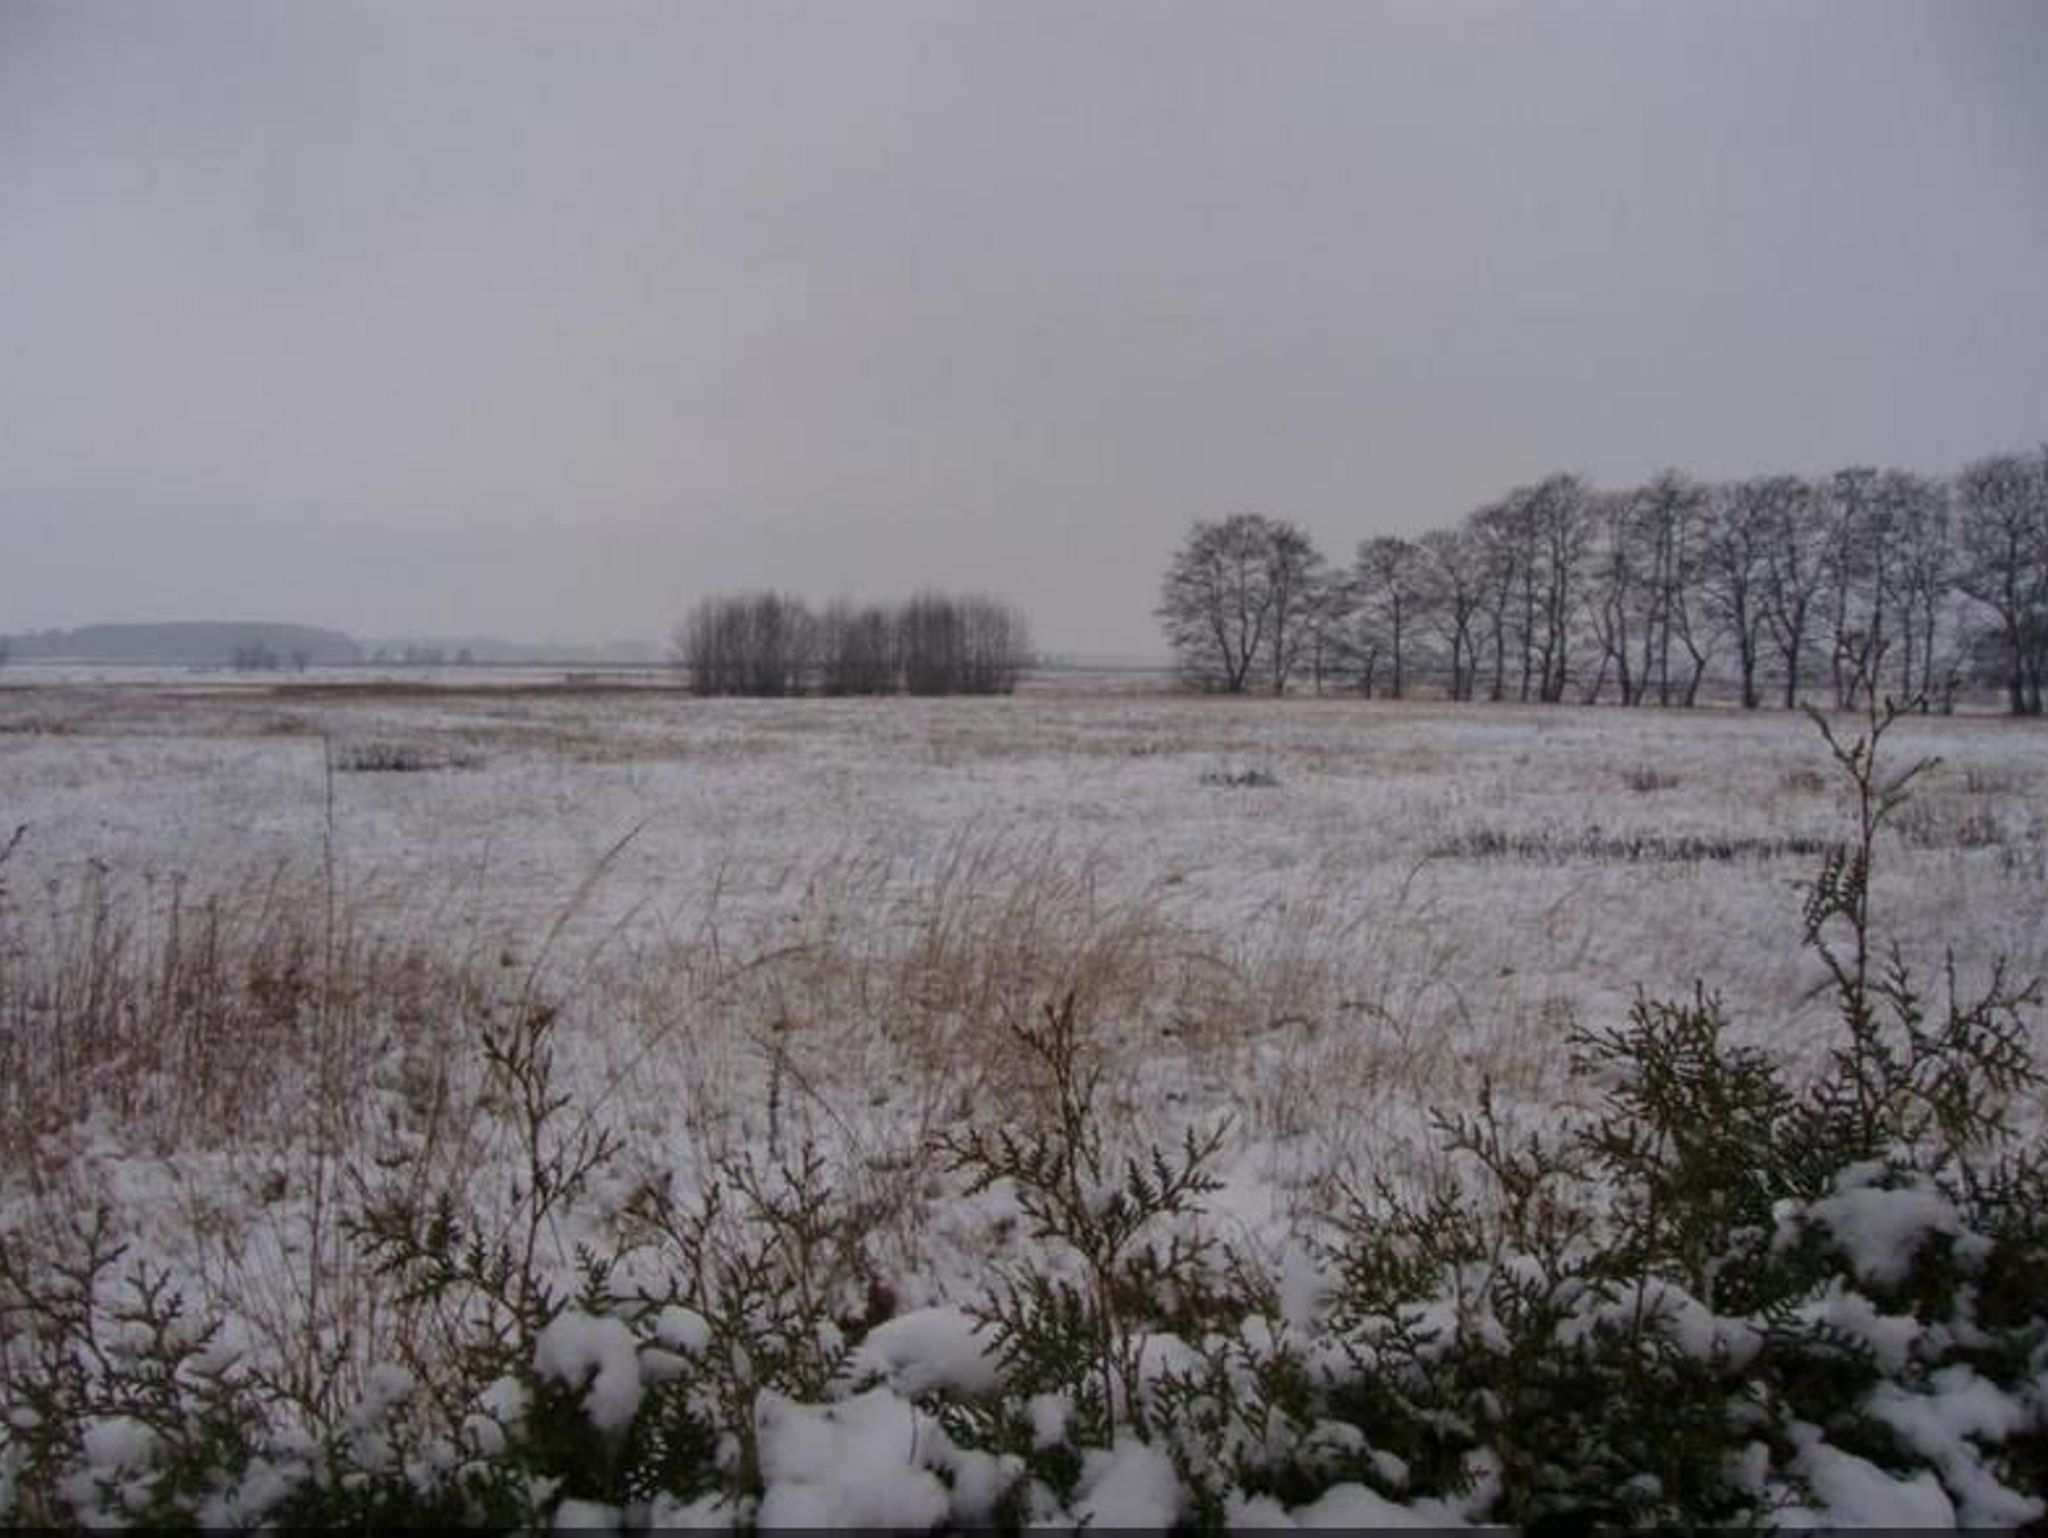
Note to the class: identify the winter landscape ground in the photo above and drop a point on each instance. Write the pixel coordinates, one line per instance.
(270, 952)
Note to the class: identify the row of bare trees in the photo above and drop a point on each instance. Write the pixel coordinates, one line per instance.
(1863, 582)
(773, 644)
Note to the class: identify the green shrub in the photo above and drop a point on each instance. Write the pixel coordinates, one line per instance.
(1654, 1313)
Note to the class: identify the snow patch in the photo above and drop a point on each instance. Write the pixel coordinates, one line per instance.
(1940, 1424)
(1134, 1486)
(1854, 1492)
(579, 1349)
(854, 1464)
(930, 1349)
(682, 1329)
(574, 1516)
(1360, 1508)
(1880, 1228)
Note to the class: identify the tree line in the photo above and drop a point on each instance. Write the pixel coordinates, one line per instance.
(1849, 586)
(771, 644)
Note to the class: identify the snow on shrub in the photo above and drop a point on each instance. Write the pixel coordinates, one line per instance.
(1879, 1226)
(598, 1356)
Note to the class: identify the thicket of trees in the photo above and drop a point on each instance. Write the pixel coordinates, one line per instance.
(772, 644)
(1843, 588)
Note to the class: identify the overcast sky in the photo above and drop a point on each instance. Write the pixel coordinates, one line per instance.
(545, 320)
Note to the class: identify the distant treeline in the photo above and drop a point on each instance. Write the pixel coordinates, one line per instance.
(773, 644)
(1858, 584)
(198, 643)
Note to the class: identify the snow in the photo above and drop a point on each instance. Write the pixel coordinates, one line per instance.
(262, 1485)
(209, 782)
(387, 1386)
(118, 1445)
(665, 1514)
(1941, 1423)
(851, 1464)
(500, 1408)
(117, 1451)
(929, 1348)
(1693, 1327)
(597, 1354)
(573, 1516)
(682, 1329)
(1050, 1416)
(1890, 1337)
(1882, 1227)
(1133, 1486)
(1361, 1509)
(1854, 1492)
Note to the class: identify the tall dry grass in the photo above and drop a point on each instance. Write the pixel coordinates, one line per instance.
(218, 1073)
(281, 1054)
(192, 1020)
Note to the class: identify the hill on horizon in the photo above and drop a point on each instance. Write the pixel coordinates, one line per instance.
(203, 643)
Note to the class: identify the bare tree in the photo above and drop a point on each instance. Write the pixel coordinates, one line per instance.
(1670, 514)
(710, 646)
(1239, 597)
(1348, 644)
(1452, 594)
(995, 645)
(1645, 589)
(1862, 579)
(770, 644)
(1560, 515)
(1497, 534)
(857, 650)
(2002, 544)
(1617, 589)
(1732, 573)
(1513, 542)
(932, 644)
(1685, 615)
(1331, 614)
(1385, 579)
(751, 643)
(1298, 580)
(780, 637)
(1795, 553)
(1855, 520)
(1922, 580)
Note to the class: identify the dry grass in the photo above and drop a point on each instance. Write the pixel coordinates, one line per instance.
(276, 1061)
(1805, 780)
(199, 1020)
(276, 1057)
(1648, 780)
(196, 1019)
(223, 1072)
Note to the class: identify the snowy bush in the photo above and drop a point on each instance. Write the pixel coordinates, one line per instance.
(1722, 1296)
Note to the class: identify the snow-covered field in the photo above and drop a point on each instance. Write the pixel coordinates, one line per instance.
(774, 921)
(1422, 893)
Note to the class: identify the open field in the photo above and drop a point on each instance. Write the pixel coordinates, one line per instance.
(1317, 916)
(767, 925)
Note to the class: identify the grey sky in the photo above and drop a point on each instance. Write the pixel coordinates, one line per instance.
(433, 317)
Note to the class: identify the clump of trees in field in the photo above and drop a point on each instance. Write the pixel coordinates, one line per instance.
(1845, 588)
(771, 645)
